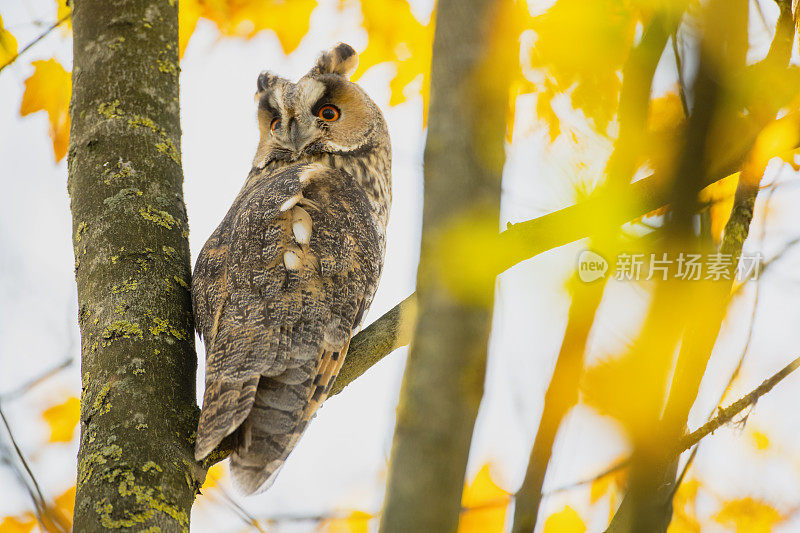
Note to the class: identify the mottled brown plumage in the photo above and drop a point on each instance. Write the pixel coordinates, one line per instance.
(289, 273)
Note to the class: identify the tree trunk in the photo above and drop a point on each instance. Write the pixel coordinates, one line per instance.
(443, 381)
(138, 409)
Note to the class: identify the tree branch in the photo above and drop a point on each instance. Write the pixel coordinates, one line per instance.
(728, 413)
(382, 337)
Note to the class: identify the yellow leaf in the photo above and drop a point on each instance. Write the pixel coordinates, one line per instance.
(485, 505)
(609, 484)
(566, 520)
(355, 522)
(580, 47)
(214, 475)
(62, 419)
(665, 112)
(684, 519)
(17, 524)
(682, 523)
(66, 502)
(289, 19)
(779, 138)
(49, 89)
(188, 14)
(395, 35)
(8, 45)
(760, 440)
(64, 9)
(600, 487)
(719, 196)
(748, 515)
(58, 516)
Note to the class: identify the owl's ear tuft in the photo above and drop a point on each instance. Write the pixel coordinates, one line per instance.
(341, 60)
(266, 81)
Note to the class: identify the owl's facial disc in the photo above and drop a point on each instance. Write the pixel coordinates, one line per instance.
(323, 113)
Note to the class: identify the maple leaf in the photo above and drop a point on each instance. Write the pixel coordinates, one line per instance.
(245, 18)
(485, 504)
(566, 520)
(49, 89)
(580, 47)
(8, 45)
(62, 419)
(396, 36)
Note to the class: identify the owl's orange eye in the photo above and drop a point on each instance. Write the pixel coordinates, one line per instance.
(274, 125)
(328, 113)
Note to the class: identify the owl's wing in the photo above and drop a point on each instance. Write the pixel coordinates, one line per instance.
(277, 291)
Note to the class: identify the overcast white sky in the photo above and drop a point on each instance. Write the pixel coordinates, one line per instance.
(341, 461)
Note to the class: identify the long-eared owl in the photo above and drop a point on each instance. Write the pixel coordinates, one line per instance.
(286, 278)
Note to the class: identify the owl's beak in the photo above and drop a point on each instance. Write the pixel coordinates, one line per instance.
(295, 136)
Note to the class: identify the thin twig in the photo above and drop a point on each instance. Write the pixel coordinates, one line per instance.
(619, 465)
(241, 511)
(15, 393)
(679, 68)
(726, 415)
(38, 497)
(41, 36)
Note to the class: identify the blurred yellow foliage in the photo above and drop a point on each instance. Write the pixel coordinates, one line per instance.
(748, 515)
(18, 524)
(289, 19)
(62, 419)
(759, 440)
(485, 505)
(611, 485)
(66, 502)
(567, 520)
(49, 89)
(684, 517)
(580, 46)
(58, 517)
(778, 139)
(214, 476)
(64, 10)
(355, 522)
(189, 12)
(396, 36)
(8, 45)
(467, 257)
(719, 197)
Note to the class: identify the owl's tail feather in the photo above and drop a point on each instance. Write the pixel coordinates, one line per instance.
(280, 414)
(225, 406)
